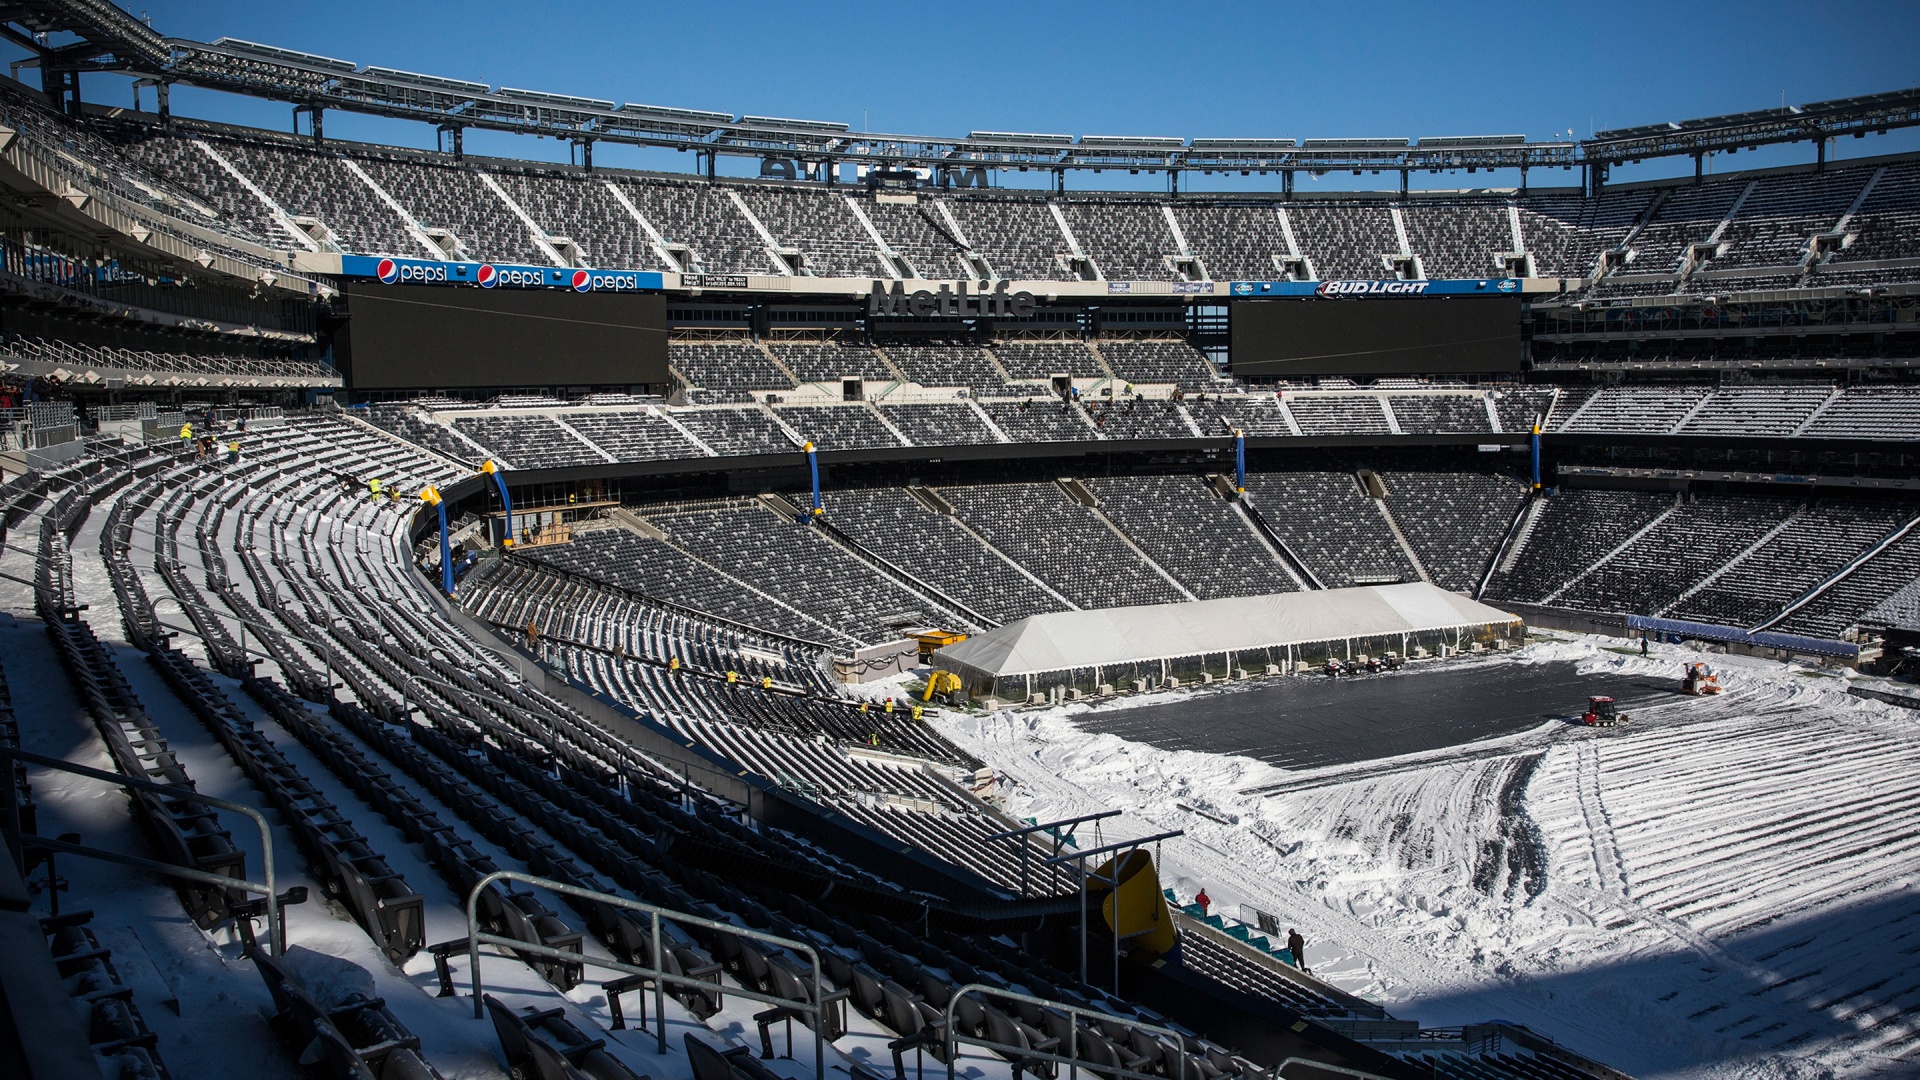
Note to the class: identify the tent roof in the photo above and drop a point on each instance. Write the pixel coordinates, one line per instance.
(1082, 639)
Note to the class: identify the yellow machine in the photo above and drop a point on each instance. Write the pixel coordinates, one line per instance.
(929, 640)
(1144, 921)
(940, 682)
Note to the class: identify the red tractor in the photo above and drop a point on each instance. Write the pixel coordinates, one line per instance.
(1602, 713)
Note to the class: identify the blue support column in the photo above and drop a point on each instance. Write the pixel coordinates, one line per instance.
(1239, 460)
(446, 550)
(493, 469)
(1536, 457)
(506, 500)
(813, 467)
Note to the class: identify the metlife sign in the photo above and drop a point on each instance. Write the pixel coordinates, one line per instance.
(1367, 289)
(391, 271)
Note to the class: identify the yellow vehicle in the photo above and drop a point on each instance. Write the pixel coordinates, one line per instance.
(930, 640)
(940, 682)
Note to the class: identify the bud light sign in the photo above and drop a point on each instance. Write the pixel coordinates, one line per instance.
(1361, 289)
(392, 271)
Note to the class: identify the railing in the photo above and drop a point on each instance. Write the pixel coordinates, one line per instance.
(816, 1008)
(18, 841)
(1071, 1058)
(1176, 1042)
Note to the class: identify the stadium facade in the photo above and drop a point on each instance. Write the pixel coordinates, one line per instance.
(548, 507)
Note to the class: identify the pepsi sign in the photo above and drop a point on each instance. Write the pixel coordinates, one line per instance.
(393, 271)
(605, 281)
(517, 276)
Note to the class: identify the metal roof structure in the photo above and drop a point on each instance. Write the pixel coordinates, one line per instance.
(1114, 637)
(108, 39)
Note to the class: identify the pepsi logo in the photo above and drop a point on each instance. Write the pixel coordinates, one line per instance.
(387, 271)
(582, 281)
(487, 276)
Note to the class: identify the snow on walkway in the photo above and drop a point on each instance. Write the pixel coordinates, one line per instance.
(1725, 887)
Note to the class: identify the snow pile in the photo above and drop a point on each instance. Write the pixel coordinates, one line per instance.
(1723, 887)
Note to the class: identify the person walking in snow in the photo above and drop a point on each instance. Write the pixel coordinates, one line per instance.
(1643, 644)
(1204, 901)
(1297, 945)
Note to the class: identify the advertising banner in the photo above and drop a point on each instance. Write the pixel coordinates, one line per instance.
(1366, 289)
(391, 271)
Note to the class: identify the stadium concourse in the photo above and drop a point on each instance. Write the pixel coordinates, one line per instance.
(842, 620)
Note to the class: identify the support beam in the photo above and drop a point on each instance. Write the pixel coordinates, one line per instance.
(819, 508)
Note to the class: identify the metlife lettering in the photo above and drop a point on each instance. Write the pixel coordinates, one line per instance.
(950, 301)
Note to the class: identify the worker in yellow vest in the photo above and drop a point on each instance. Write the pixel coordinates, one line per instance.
(186, 430)
(373, 489)
(916, 712)
(673, 665)
(733, 677)
(766, 682)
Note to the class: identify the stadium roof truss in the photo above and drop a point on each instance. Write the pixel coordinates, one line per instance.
(108, 39)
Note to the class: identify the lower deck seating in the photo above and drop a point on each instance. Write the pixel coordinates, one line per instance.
(1695, 539)
(1573, 530)
(1065, 544)
(1841, 605)
(939, 550)
(1194, 534)
(1454, 521)
(1817, 542)
(1332, 525)
(657, 569)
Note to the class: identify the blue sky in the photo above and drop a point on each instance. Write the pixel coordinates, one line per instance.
(1216, 69)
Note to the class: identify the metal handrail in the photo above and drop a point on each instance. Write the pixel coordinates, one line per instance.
(660, 977)
(1280, 1070)
(276, 929)
(1071, 1059)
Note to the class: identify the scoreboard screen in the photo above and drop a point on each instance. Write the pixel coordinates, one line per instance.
(1427, 335)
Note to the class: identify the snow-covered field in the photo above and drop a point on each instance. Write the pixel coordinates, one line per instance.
(1725, 887)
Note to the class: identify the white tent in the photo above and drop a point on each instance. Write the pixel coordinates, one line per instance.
(1128, 637)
